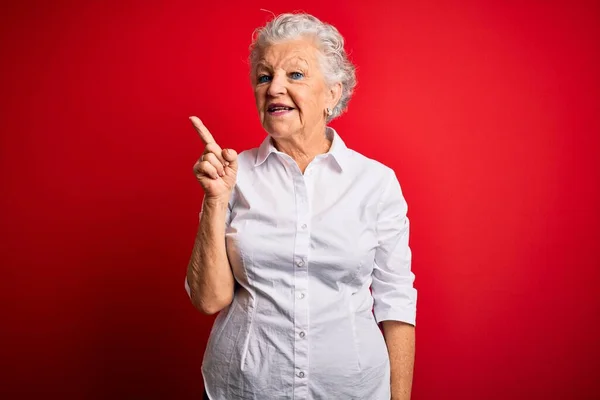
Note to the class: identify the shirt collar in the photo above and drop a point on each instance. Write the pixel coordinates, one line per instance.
(338, 149)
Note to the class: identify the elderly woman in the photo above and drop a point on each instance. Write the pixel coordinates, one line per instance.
(302, 245)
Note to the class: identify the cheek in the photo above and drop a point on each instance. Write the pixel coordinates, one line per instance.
(311, 103)
(259, 97)
(312, 98)
(303, 99)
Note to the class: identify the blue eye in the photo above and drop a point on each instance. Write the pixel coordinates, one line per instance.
(264, 78)
(297, 75)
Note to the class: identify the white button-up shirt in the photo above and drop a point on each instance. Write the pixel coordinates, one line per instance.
(320, 258)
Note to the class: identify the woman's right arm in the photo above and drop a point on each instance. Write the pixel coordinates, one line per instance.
(209, 275)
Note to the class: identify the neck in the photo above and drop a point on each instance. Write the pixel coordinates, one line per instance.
(303, 148)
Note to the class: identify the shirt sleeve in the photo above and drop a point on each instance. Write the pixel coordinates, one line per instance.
(227, 222)
(394, 295)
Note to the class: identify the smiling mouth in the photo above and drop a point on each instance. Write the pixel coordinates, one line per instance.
(278, 109)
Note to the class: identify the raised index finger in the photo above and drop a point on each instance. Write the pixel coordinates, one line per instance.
(202, 131)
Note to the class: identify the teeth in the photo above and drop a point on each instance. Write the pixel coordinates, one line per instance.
(273, 109)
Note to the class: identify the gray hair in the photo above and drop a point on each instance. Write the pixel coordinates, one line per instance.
(335, 65)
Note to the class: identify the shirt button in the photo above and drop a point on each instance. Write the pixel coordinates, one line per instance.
(301, 374)
(302, 334)
(303, 226)
(300, 263)
(300, 295)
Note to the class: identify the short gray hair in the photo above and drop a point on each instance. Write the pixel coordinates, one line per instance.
(335, 65)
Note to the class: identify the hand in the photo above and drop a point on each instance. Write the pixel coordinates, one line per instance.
(216, 170)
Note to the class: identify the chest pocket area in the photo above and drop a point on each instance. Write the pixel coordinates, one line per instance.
(262, 247)
(343, 245)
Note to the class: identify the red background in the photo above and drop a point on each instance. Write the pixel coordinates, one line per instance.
(488, 112)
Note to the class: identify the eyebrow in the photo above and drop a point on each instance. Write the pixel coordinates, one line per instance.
(264, 65)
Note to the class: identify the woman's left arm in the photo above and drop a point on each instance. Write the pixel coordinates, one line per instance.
(400, 340)
(394, 294)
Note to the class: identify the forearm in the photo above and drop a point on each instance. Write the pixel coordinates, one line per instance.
(400, 340)
(209, 273)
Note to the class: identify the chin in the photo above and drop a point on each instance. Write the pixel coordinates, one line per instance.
(277, 131)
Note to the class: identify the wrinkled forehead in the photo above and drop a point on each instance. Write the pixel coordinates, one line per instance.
(291, 54)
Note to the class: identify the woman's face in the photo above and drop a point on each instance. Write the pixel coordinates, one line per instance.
(290, 90)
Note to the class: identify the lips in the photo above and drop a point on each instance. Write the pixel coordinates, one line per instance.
(278, 107)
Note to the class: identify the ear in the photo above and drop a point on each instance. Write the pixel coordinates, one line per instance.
(335, 94)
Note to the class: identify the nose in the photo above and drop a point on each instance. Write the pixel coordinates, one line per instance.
(278, 84)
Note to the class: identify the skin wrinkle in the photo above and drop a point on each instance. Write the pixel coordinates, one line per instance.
(300, 133)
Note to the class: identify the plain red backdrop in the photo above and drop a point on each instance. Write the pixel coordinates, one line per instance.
(488, 112)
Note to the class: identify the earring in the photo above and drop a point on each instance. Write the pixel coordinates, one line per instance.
(328, 111)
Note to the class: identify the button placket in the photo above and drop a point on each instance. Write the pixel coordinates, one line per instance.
(301, 261)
